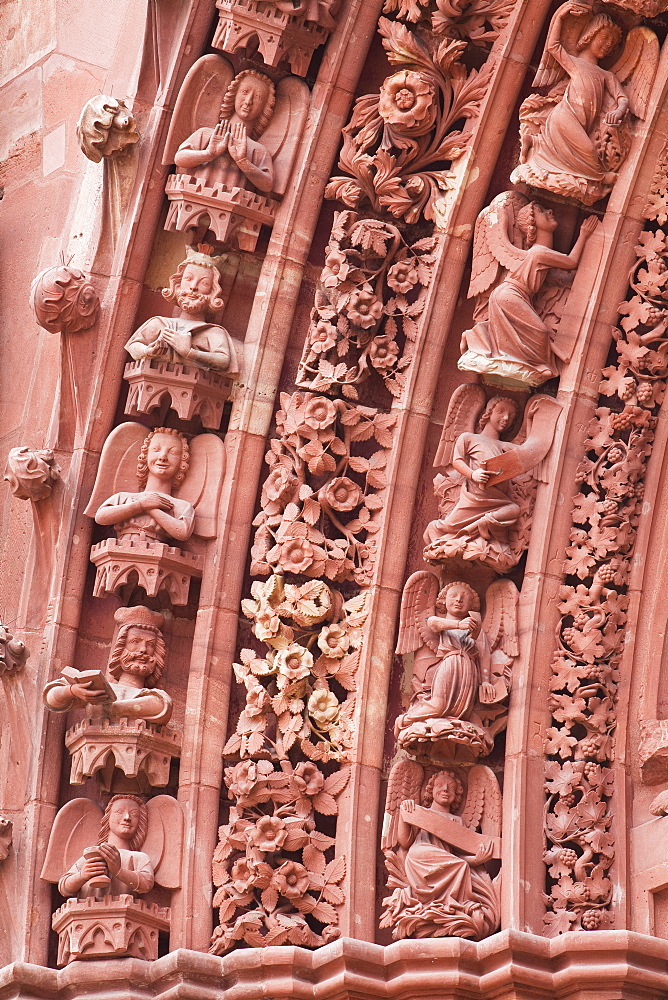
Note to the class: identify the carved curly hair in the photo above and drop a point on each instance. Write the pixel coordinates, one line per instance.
(428, 794)
(114, 667)
(142, 463)
(487, 412)
(138, 839)
(526, 221)
(475, 600)
(216, 300)
(263, 119)
(598, 23)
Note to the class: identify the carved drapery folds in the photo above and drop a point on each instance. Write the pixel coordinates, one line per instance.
(277, 879)
(288, 30)
(365, 319)
(580, 743)
(322, 500)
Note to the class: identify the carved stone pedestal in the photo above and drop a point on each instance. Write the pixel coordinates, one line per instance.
(192, 391)
(280, 35)
(237, 213)
(136, 747)
(444, 740)
(158, 567)
(109, 928)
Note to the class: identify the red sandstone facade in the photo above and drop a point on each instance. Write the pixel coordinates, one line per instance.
(282, 713)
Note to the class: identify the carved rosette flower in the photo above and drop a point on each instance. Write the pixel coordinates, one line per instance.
(383, 352)
(334, 641)
(341, 494)
(323, 707)
(293, 663)
(268, 834)
(408, 102)
(64, 300)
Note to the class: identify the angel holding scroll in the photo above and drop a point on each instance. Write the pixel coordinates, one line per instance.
(510, 344)
(573, 139)
(485, 501)
(435, 855)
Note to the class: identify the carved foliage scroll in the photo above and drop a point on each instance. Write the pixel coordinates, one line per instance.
(277, 879)
(580, 744)
(322, 499)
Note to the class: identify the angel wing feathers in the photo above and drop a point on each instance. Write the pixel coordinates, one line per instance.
(466, 404)
(483, 801)
(199, 100)
(417, 601)
(500, 621)
(496, 241)
(405, 782)
(76, 826)
(637, 66)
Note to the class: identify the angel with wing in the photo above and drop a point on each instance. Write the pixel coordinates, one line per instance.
(574, 139)
(462, 666)
(437, 840)
(487, 493)
(511, 345)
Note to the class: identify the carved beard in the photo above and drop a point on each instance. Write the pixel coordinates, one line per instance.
(140, 664)
(192, 302)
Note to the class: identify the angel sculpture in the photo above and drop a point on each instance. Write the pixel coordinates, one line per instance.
(221, 150)
(486, 496)
(511, 344)
(437, 840)
(575, 138)
(462, 666)
(108, 859)
(163, 462)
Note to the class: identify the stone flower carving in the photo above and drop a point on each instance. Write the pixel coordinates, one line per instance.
(477, 21)
(105, 128)
(31, 473)
(575, 138)
(278, 807)
(398, 139)
(585, 672)
(436, 854)
(365, 318)
(64, 300)
(487, 493)
(322, 498)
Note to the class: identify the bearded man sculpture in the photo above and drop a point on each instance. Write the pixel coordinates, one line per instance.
(135, 666)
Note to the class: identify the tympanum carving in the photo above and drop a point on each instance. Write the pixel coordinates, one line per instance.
(233, 140)
(462, 667)
(594, 602)
(511, 343)
(288, 30)
(126, 712)
(575, 138)
(64, 300)
(31, 473)
(442, 827)
(373, 290)
(105, 128)
(486, 495)
(397, 140)
(186, 357)
(146, 520)
(102, 862)
(323, 496)
(292, 711)
(13, 652)
(6, 834)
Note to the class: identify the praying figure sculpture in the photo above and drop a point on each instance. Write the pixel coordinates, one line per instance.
(486, 495)
(575, 138)
(511, 344)
(462, 665)
(102, 862)
(441, 830)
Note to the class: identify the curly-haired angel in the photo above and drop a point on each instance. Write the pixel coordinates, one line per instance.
(485, 501)
(437, 840)
(574, 139)
(462, 663)
(511, 345)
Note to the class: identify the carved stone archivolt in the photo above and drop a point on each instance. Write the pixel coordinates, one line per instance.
(31, 473)
(103, 862)
(64, 300)
(233, 140)
(289, 30)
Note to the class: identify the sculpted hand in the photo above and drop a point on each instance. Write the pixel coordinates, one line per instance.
(484, 854)
(94, 867)
(154, 501)
(238, 144)
(112, 858)
(471, 626)
(579, 9)
(408, 805)
(219, 140)
(487, 693)
(157, 349)
(615, 117)
(589, 226)
(481, 477)
(82, 692)
(180, 342)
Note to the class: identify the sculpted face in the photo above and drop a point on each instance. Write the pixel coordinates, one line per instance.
(458, 601)
(164, 456)
(124, 818)
(602, 43)
(138, 656)
(502, 416)
(195, 287)
(250, 99)
(445, 789)
(545, 219)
